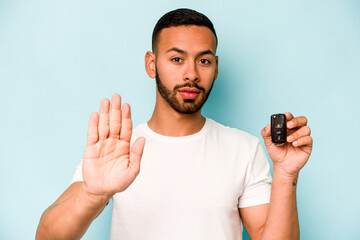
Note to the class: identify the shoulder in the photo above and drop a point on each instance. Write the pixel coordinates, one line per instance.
(230, 132)
(232, 136)
(138, 131)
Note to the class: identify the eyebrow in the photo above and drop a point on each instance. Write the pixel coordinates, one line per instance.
(175, 49)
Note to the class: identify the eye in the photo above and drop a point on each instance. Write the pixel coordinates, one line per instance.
(204, 61)
(176, 59)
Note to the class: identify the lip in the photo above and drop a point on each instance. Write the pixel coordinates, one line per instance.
(189, 93)
(188, 89)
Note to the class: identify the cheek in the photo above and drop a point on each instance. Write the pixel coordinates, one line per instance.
(168, 74)
(208, 76)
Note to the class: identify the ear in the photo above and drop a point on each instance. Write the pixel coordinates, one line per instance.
(217, 67)
(150, 60)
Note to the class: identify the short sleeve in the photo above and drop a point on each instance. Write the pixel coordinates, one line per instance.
(78, 177)
(258, 179)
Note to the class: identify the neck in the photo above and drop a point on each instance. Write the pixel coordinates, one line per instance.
(166, 121)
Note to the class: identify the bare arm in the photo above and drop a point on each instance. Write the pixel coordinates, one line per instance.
(276, 220)
(108, 167)
(279, 218)
(70, 215)
(282, 220)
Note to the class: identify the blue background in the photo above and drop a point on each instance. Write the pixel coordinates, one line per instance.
(58, 59)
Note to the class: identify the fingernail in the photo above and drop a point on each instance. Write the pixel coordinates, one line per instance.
(290, 124)
(290, 138)
(295, 143)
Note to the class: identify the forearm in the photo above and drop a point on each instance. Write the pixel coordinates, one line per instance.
(71, 217)
(282, 218)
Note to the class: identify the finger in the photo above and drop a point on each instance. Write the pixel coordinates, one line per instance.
(104, 119)
(92, 135)
(115, 116)
(302, 132)
(304, 141)
(266, 134)
(297, 122)
(126, 123)
(136, 154)
(288, 116)
(266, 131)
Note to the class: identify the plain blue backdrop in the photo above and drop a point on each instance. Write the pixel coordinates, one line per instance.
(58, 59)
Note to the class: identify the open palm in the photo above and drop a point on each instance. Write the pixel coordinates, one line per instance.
(109, 166)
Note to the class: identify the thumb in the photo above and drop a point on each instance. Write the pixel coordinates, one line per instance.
(136, 153)
(266, 134)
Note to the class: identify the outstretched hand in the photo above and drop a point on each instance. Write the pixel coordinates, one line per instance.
(109, 166)
(294, 154)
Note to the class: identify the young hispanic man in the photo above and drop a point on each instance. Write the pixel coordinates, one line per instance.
(198, 179)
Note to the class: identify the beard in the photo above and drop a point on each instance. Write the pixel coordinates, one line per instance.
(189, 106)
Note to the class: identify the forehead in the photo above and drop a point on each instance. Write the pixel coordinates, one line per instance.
(186, 38)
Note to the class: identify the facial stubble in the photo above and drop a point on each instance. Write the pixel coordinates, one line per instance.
(189, 106)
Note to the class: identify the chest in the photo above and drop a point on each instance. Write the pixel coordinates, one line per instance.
(190, 177)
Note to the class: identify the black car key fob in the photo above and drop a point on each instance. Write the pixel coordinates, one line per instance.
(278, 128)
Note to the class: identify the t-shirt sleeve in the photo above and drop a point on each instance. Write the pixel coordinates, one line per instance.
(257, 184)
(78, 177)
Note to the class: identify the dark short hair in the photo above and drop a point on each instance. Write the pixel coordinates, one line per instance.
(180, 17)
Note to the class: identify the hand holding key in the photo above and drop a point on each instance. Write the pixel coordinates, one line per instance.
(295, 152)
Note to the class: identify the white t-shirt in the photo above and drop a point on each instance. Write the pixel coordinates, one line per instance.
(191, 187)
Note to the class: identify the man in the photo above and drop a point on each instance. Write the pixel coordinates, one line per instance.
(198, 179)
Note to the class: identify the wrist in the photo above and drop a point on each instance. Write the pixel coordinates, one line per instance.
(93, 199)
(285, 176)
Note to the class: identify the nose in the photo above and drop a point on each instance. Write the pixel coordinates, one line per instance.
(191, 73)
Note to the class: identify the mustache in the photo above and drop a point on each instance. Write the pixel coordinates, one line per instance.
(191, 85)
